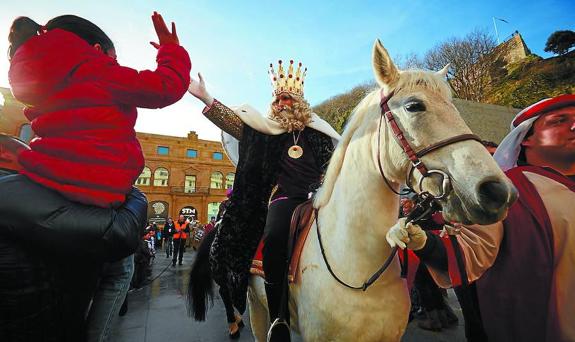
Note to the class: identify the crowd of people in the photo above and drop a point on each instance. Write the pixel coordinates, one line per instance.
(72, 242)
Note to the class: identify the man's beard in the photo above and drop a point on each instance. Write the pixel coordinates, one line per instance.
(294, 118)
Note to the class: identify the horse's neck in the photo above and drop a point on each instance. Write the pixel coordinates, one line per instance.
(355, 220)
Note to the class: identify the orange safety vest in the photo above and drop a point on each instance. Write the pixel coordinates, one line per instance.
(180, 234)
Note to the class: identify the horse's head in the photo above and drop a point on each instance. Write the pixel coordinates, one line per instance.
(421, 104)
(479, 192)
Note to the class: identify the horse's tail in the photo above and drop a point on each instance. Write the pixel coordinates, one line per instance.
(201, 285)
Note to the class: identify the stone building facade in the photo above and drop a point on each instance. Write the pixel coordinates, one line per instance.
(12, 120)
(182, 174)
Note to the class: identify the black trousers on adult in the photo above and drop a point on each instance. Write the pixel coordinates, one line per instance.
(430, 295)
(179, 246)
(275, 258)
(227, 299)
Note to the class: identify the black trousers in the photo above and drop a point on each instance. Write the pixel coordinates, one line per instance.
(429, 293)
(227, 299)
(179, 246)
(275, 258)
(168, 246)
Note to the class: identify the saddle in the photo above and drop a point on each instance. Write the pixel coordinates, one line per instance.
(301, 222)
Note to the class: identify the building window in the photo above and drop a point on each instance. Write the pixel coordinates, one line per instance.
(191, 153)
(190, 184)
(230, 180)
(213, 209)
(218, 156)
(145, 177)
(161, 176)
(26, 133)
(163, 150)
(217, 180)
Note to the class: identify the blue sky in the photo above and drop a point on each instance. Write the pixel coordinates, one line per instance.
(232, 42)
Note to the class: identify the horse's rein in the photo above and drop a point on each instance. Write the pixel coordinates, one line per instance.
(416, 163)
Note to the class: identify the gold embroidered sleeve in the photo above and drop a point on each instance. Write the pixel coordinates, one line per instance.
(225, 119)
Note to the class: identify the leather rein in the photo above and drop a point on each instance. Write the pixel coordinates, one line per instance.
(416, 163)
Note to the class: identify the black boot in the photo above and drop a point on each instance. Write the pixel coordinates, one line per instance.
(279, 330)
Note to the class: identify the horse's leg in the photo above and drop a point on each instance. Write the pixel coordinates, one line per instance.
(259, 319)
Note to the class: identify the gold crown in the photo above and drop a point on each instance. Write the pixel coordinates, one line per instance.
(290, 82)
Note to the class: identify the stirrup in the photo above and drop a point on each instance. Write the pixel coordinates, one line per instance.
(278, 324)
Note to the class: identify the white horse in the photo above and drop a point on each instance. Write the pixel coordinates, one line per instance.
(357, 208)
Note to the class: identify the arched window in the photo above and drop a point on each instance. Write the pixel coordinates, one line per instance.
(230, 180)
(161, 177)
(145, 177)
(217, 180)
(213, 209)
(26, 133)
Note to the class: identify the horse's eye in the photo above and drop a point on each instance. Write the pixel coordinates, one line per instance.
(415, 107)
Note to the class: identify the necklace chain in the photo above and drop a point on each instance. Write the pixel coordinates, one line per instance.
(295, 140)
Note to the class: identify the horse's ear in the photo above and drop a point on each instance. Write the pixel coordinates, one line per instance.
(443, 72)
(385, 71)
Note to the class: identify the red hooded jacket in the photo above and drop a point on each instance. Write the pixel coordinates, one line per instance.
(82, 107)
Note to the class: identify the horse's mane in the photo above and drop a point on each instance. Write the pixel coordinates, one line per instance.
(335, 163)
(409, 81)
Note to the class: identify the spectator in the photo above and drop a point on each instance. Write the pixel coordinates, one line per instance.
(520, 270)
(182, 229)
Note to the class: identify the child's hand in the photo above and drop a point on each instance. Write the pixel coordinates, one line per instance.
(164, 35)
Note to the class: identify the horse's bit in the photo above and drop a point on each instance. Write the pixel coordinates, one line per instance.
(425, 199)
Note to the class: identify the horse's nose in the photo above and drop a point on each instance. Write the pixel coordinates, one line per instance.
(493, 195)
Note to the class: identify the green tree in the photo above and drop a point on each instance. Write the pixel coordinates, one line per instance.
(559, 42)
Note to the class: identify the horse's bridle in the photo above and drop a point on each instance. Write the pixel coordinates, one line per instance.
(414, 157)
(416, 163)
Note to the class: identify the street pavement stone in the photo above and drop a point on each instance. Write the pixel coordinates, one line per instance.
(157, 313)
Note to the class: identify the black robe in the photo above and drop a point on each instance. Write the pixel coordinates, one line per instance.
(243, 223)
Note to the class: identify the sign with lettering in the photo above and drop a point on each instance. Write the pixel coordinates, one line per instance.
(189, 212)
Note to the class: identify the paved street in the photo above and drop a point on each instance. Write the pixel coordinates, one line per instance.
(157, 312)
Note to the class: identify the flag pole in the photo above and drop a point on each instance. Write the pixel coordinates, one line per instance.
(496, 34)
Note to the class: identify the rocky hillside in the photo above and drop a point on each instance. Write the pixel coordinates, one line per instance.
(531, 79)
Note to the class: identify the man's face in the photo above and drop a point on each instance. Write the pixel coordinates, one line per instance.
(554, 134)
(181, 218)
(283, 100)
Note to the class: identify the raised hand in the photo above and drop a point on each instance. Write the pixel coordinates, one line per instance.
(164, 35)
(198, 89)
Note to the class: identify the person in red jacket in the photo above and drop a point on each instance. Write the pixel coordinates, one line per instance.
(82, 104)
(82, 107)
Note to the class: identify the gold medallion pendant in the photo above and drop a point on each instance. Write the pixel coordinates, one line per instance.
(295, 152)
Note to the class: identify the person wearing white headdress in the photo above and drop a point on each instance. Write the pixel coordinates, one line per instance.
(280, 159)
(521, 271)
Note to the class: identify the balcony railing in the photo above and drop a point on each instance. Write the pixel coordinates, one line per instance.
(197, 190)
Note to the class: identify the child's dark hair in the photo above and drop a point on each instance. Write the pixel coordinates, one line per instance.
(24, 28)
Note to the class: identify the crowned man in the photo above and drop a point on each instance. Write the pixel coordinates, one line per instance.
(280, 160)
(520, 270)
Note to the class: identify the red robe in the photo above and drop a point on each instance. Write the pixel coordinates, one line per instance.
(515, 274)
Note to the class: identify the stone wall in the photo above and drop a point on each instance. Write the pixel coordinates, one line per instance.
(512, 50)
(489, 122)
